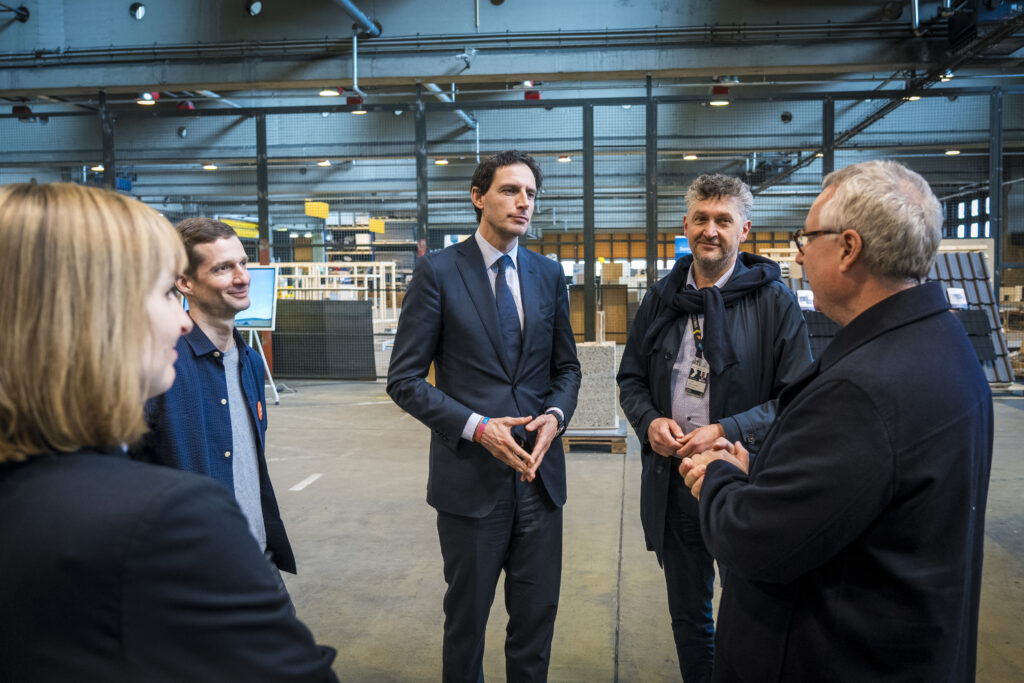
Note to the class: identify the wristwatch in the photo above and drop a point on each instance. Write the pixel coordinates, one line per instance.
(561, 421)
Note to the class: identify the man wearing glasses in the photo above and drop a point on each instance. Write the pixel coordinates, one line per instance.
(712, 345)
(853, 542)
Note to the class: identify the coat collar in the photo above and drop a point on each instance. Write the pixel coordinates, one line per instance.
(742, 259)
(200, 344)
(902, 308)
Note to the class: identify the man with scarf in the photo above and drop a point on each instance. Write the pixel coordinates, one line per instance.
(710, 349)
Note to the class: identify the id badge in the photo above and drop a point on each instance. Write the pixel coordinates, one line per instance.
(697, 382)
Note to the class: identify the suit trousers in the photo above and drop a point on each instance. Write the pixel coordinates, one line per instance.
(690, 579)
(523, 536)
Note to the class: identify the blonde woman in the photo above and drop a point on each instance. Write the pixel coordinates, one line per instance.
(113, 570)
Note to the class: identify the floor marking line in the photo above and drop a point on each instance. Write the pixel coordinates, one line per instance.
(618, 573)
(314, 457)
(306, 482)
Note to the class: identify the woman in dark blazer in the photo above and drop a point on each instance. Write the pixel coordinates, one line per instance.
(113, 570)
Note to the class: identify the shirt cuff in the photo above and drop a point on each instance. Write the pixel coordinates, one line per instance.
(471, 423)
(561, 415)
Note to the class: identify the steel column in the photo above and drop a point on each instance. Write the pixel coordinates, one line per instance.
(995, 183)
(109, 159)
(589, 256)
(263, 214)
(422, 212)
(652, 186)
(262, 189)
(828, 136)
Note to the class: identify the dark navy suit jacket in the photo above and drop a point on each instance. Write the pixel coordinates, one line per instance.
(190, 428)
(113, 570)
(853, 550)
(449, 318)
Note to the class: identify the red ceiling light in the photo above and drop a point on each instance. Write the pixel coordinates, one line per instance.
(353, 100)
(531, 95)
(719, 96)
(187, 105)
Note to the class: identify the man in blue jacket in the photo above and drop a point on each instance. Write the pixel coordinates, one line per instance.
(853, 546)
(214, 419)
(712, 345)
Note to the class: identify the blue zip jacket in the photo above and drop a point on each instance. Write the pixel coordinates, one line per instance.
(190, 426)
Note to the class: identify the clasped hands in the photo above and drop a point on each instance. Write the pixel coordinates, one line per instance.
(697, 449)
(498, 440)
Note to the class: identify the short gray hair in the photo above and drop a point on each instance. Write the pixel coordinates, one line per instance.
(894, 211)
(715, 186)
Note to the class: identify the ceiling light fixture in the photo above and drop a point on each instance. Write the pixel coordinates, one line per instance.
(330, 92)
(209, 167)
(148, 99)
(253, 7)
(952, 152)
(324, 163)
(719, 96)
(689, 157)
(564, 159)
(137, 10)
(358, 101)
(912, 98)
(946, 77)
(819, 155)
(98, 168)
(441, 162)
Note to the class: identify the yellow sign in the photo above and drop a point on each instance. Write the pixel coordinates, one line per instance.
(377, 225)
(317, 209)
(246, 229)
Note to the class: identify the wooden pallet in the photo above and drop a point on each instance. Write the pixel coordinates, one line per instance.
(614, 444)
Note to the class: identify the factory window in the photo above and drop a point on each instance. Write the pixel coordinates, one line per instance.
(968, 217)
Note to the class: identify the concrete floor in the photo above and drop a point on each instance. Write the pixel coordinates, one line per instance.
(370, 581)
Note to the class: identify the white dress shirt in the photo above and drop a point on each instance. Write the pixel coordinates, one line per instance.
(689, 411)
(491, 255)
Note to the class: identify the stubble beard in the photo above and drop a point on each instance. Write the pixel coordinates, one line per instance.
(713, 264)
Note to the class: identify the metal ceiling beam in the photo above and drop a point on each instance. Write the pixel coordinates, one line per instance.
(959, 59)
(548, 55)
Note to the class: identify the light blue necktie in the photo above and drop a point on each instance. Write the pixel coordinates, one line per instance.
(508, 316)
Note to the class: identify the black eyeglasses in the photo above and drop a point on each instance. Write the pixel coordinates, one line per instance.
(802, 237)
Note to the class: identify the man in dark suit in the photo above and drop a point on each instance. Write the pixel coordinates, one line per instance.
(493, 318)
(852, 550)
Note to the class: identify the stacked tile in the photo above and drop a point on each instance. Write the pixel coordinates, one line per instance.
(967, 271)
(820, 331)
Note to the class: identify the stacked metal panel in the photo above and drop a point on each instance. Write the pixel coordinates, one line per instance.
(969, 271)
(820, 331)
(963, 270)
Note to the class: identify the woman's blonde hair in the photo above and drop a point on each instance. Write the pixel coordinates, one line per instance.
(76, 266)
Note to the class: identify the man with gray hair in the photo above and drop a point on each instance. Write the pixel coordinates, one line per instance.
(712, 345)
(853, 542)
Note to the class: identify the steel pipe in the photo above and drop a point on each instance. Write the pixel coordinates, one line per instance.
(364, 22)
